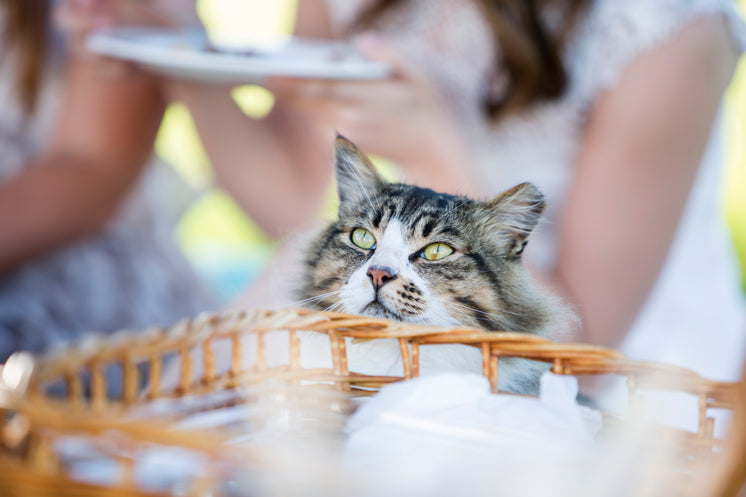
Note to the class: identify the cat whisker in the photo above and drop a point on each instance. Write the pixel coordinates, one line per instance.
(466, 320)
(449, 321)
(334, 307)
(438, 316)
(316, 298)
(460, 319)
(492, 314)
(469, 308)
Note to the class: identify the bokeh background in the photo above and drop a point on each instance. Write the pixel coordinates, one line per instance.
(228, 249)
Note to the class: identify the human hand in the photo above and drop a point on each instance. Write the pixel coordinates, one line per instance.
(402, 118)
(77, 18)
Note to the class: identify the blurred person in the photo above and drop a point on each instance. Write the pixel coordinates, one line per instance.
(610, 108)
(276, 168)
(287, 172)
(86, 213)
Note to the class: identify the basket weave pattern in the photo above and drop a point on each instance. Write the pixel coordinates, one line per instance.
(29, 466)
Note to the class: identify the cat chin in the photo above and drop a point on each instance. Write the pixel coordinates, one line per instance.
(380, 311)
(377, 310)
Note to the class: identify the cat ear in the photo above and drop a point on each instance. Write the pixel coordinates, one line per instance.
(357, 178)
(514, 214)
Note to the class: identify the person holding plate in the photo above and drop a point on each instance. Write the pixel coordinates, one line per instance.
(86, 212)
(611, 108)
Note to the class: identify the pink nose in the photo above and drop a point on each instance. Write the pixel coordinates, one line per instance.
(379, 276)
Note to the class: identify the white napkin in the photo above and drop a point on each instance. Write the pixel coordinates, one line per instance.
(459, 408)
(446, 434)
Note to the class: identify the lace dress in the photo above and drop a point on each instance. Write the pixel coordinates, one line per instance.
(695, 315)
(131, 275)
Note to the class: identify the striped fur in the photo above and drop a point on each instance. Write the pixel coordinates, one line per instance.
(481, 284)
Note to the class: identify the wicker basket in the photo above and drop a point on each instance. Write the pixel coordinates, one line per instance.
(36, 417)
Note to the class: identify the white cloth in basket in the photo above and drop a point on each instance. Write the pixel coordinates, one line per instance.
(452, 409)
(448, 435)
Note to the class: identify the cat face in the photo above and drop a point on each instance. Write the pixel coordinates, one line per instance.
(410, 254)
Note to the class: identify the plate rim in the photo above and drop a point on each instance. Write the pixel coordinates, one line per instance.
(199, 64)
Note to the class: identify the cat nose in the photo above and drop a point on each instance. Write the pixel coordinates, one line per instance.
(379, 276)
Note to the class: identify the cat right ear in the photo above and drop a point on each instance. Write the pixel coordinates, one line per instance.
(357, 178)
(513, 216)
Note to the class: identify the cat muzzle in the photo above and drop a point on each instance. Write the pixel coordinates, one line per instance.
(379, 276)
(378, 310)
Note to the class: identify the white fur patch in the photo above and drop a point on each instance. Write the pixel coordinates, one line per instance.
(391, 252)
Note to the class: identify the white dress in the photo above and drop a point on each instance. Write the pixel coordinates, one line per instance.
(131, 275)
(696, 314)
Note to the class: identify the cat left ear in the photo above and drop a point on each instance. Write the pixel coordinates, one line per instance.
(515, 214)
(357, 177)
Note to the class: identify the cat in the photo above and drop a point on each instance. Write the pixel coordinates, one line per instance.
(410, 254)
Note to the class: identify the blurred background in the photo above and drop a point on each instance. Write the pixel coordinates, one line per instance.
(228, 249)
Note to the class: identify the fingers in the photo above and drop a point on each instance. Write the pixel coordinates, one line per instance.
(360, 107)
(77, 17)
(340, 91)
(302, 87)
(374, 46)
(179, 12)
(169, 13)
(314, 99)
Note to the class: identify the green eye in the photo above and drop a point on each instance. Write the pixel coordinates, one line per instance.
(436, 251)
(363, 238)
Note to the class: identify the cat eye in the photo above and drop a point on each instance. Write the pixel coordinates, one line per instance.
(436, 251)
(363, 238)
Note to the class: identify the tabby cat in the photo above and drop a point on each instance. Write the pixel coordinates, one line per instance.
(410, 254)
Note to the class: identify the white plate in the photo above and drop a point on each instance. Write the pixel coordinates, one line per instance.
(188, 54)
